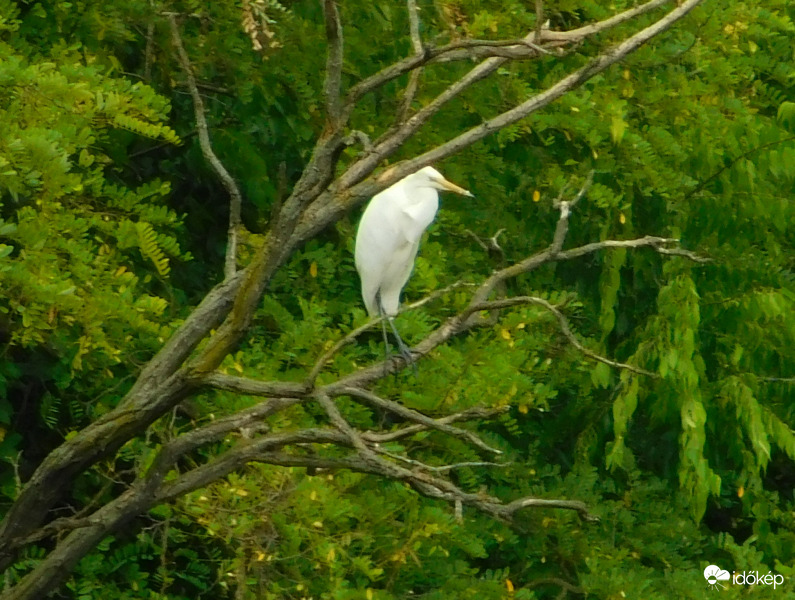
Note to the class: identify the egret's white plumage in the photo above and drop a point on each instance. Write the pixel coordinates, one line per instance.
(388, 239)
(389, 236)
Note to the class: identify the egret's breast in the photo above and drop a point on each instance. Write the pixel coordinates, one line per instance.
(418, 213)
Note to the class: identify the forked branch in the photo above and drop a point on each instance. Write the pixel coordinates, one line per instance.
(414, 76)
(316, 201)
(353, 186)
(235, 197)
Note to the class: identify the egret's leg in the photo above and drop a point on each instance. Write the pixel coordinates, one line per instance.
(387, 353)
(382, 314)
(404, 350)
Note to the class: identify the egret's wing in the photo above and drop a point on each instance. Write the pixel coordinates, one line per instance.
(379, 241)
(388, 239)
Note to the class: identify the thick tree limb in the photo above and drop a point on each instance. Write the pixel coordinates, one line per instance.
(235, 198)
(254, 387)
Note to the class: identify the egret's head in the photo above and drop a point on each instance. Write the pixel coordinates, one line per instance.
(432, 178)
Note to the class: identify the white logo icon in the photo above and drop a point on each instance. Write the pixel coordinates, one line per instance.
(714, 575)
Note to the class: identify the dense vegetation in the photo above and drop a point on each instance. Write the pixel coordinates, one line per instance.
(113, 230)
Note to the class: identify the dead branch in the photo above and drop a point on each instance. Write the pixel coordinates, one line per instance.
(428, 485)
(315, 201)
(523, 48)
(235, 198)
(352, 187)
(331, 89)
(594, 28)
(336, 418)
(470, 414)
(564, 327)
(441, 469)
(414, 76)
(566, 84)
(413, 416)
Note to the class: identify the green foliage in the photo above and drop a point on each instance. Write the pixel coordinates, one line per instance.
(693, 138)
(78, 296)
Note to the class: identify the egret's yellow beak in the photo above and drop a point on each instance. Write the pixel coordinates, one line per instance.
(449, 186)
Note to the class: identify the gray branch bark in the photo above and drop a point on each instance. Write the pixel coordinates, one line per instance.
(317, 200)
(235, 197)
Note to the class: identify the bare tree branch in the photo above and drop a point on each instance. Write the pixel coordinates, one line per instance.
(523, 48)
(440, 469)
(539, 20)
(430, 485)
(684, 253)
(409, 414)
(564, 327)
(315, 201)
(594, 28)
(331, 89)
(254, 387)
(566, 84)
(336, 418)
(414, 76)
(352, 188)
(393, 139)
(235, 198)
(470, 414)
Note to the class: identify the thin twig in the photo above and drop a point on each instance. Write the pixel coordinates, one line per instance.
(682, 252)
(778, 379)
(414, 76)
(565, 206)
(321, 362)
(526, 108)
(149, 49)
(440, 469)
(235, 198)
(539, 19)
(564, 327)
(470, 414)
(409, 414)
(331, 88)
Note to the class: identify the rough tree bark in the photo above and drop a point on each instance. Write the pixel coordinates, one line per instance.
(318, 200)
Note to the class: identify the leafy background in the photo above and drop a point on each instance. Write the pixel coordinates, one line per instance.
(109, 234)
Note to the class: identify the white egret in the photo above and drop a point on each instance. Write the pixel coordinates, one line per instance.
(389, 237)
